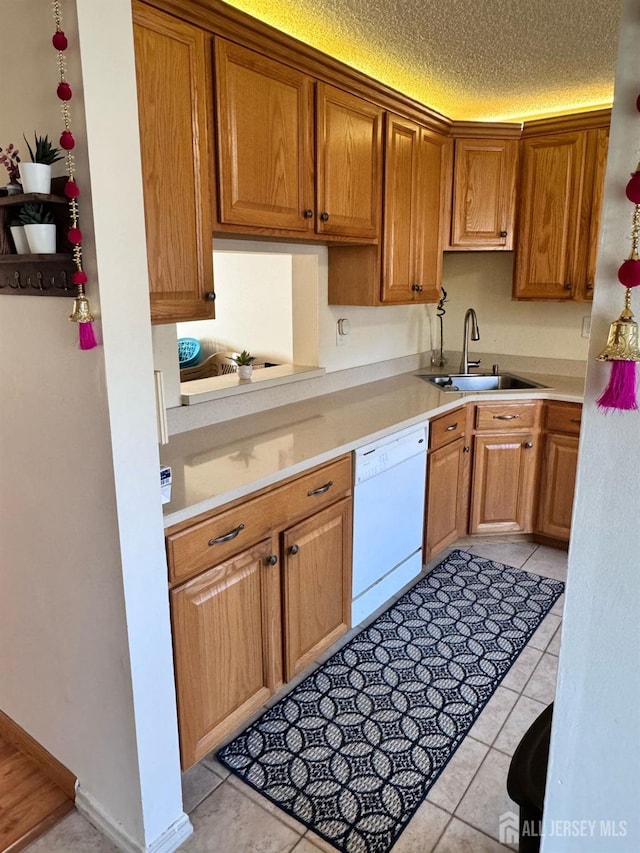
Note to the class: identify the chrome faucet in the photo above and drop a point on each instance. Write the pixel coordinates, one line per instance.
(465, 364)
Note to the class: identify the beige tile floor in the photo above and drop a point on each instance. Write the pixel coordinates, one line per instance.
(461, 811)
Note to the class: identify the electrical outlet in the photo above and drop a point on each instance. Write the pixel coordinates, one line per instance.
(586, 327)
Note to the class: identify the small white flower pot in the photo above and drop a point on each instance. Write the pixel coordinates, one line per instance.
(245, 371)
(35, 177)
(41, 239)
(19, 239)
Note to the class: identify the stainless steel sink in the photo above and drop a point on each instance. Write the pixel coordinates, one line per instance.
(481, 382)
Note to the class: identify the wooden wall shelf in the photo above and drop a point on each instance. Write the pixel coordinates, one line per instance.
(36, 275)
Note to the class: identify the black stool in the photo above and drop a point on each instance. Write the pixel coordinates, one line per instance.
(527, 779)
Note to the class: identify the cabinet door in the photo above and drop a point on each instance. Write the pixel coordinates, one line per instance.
(597, 148)
(226, 646)
(550, 199)
(503, 481)
(174, 97)
(484, 180)
(413, 211)
(557, 485)
(317, 584)
(446, 514)
(264, 114)
(349, 164)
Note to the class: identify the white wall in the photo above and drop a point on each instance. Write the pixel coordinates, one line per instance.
(84, 627)
(482, 280)
(595, 747)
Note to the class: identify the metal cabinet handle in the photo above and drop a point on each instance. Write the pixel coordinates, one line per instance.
(294, 549)
(505, 417)
(451, 428)
(589, 287)
(576, 420)
(227, 537)
(528, 445)
(308, 214)
(324, 216)
(320, 490)
(272, 559)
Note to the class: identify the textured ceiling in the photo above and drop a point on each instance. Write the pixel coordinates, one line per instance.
(490, 60)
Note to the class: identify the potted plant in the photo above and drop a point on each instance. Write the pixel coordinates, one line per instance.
(36, 176)
(10, 159)
(39, 228)
(19, 237)
(243, 361)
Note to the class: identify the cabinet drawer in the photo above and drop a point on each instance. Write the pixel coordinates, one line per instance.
(215, 539)
(506, 416)
(563, 417)
(210, 542)
(313, 491)
(446, 428)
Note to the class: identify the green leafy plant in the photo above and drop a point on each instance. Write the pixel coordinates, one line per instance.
(44, 151)
(244, 358)
(34, 214)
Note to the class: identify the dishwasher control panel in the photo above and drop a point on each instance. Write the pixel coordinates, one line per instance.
(372, 459)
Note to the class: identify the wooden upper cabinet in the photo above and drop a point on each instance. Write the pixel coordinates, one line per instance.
(413, 207)
(174, 96)
(483, 194)
(264, 122)
(591, 215)
(349, 164)
(550, 200)
(560, 201)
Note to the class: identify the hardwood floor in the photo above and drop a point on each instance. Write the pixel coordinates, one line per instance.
(29, 802)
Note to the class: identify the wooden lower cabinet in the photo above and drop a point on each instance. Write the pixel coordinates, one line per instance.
(226, 641)
(316, 584)
(505, 452)
(447, 482)
(558, 463)
(504, 469)
(248, 614)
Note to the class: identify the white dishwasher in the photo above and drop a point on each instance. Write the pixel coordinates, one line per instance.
(388, 517)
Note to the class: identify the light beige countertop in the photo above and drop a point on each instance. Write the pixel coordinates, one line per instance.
(218, 463)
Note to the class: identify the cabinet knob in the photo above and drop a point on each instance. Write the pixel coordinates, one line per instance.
(528, 445)
(294, 549)
(589, 287)
(324, 216)
(417, 288)
(466, 449)
(272, 559)
(308, 214)
(503, 233)
(211, 296)
(567, 286)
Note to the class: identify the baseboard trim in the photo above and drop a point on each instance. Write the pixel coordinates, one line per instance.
(167, 842)
(50, 766)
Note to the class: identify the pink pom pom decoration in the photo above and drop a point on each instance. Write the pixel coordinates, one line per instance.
(633, 188)
(64, 91)
(59, 40)
(79, 277)
(629, 273)
(74, 235)
(71, 189)
(67, 141)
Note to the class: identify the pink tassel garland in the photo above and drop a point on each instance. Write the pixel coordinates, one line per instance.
(620, 393)
(87, 336)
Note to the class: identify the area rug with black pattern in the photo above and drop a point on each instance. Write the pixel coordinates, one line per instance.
(352, 751)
